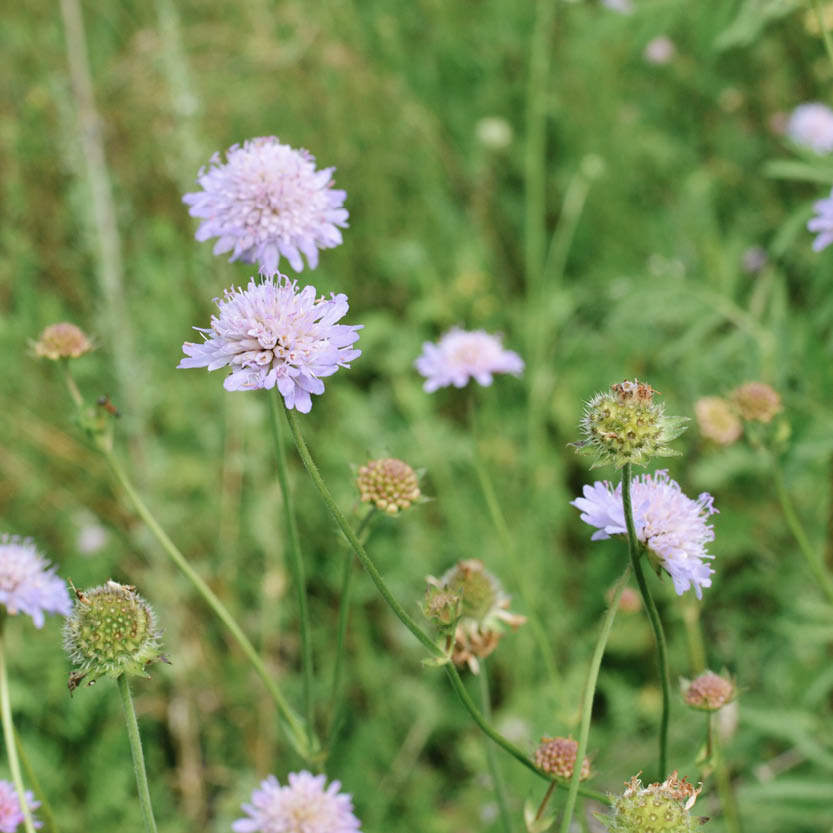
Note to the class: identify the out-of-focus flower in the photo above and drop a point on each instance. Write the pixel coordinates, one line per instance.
(557, 756)
(717, 420)
(625, 425)
(659, 50)
(754, 259)
(272, 335)
(621, 6)
(11, 814)
(709, 691)
(461, 355)
(304, 805)
(267, 201)
(672, 526)
(629, 602)
(389, 484)
(811, 126)
(662, 808)
(62, 341)
(28, 583)
(494, 132)
(822, 223)
(757, 401)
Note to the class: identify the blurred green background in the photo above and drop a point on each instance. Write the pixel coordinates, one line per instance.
(599, 223)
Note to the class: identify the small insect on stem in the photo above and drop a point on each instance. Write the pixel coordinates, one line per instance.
(105, 402)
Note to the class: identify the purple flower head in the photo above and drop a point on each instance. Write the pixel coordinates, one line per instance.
(672, 526)
(822, 223)
(811, 126)
(11, 816)
(27, 582)
(303, 806)
(270, 334)
(267, 201)
(461, 355)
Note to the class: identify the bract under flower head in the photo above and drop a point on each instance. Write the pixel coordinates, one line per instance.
(11, 814)
(305, 805)
(461, 355)
(660, 808)
(272, 335)
(267, 201)
(28, 583)
(672, 526)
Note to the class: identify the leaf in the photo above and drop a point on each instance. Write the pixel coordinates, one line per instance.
(751, 20)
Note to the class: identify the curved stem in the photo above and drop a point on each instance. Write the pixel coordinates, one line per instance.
(296, 562)
(494, 764)
(587, 700)
(136, 751)
(653, 616)
(296, 734)
(8, 737)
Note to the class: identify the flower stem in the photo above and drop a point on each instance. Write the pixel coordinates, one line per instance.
(296, 734)
(494, 764)
(45, 810)
(295, 561)
(828, 44)
(545, 801)
(728, 802)
(8, 737)
(587, 700)
(653, 616)
(136, 751)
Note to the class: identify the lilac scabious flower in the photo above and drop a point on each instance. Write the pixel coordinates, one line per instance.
(811, 126)
(672, 526)
(27, 582)
(822, 223)
(461, 355)
(270, 334)
(303, 806)
(11, 815)
(267, 201)
(621, 6)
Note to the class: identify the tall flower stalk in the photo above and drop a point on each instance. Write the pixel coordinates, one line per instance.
(494, 764)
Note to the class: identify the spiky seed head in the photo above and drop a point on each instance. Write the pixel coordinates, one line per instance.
(709, 692)
(626, 425)
(111, 631)
(389, 484)
(717, 419)
(757, 402)
(62, 341)
(658, 808)
(557, 756)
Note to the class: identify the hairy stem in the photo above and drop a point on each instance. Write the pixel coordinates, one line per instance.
(494, 764)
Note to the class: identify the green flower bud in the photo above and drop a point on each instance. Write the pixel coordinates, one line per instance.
(443, 607)
(659, 808)
(111, 631)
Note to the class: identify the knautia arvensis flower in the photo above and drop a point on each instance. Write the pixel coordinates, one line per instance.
(111, 631)
(485, 611)
(389, 484)
(267, 201)
(305, 805)
(62, 341)
(659, 808)
(28, 583)
(557, 757)
(718, 420)
(626, 425)
(11, 814)
(709, 691)
(822, 223)
(757, 401)
(273, 335)
(811, 126)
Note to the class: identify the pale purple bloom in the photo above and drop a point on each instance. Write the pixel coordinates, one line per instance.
(822, 223)
(11, 816)
(303, 806)
(811, 126)
(659, 50)
(28, 583)
(271, 334)
(754, 260)
(461, 355)
(671, 525)
(267, 201)
(621, 6)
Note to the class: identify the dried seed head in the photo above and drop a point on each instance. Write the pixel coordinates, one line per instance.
(557, 756)
(389, 484)
(709, 692)
(442, 606)
(757, 401)
(659, 808)
(717, 420)
(111, 631)
(627, 426)
(62, 341)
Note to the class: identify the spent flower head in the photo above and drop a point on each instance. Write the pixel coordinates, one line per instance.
(709, 691)
(111, 631)
(659, 808)
(557, 756)
(11, 813)
(822, 223)
(673, 528)
(461, 355)
(757, 401)
(717, 419)
(267, 201)
(811, 126)
(61, 341)
(626, 425)
(28, 583)
(272, 335)
(389, 484)
(305, 805)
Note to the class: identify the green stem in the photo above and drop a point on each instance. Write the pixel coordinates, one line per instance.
(494, 764)
(297, 735)
(828, 44)
(45, 810)
(653, 616)
(136, 751)
(295, 561)
(587, 700)
(709, 736)
(731, 814)
(8, 736)
(545, 801)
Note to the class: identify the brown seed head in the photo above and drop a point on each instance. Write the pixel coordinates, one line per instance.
(709, 692)
(62, 341)
(717, 420)
(757, 401)
(557, 756)
(389, 484)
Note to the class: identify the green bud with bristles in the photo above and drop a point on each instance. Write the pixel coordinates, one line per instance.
(111, 631)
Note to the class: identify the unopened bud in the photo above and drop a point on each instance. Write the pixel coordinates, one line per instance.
(62, 341)
(389, 484)
(557, 756)
(757, 401)
(442, 606)
(717, 420)
(708, 692)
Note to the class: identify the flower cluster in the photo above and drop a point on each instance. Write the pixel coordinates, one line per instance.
(721, 419)
(709, 692)
(557, 757)
(811, 126)
(389, 484)
(11, 813)
(62, 341)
